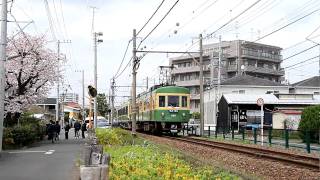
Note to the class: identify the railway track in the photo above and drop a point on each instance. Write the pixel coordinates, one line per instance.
(294, 159)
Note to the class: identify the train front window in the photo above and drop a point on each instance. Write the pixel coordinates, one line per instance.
(162, 101)
(173, 101)
(184, 101)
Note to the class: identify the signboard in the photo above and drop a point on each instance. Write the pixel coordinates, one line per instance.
(260, 102)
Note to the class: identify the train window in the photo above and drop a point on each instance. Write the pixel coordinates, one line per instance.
(184, 101)
(173, 101)
(162, 101)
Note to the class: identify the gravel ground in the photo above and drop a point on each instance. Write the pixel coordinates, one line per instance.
(247, 166)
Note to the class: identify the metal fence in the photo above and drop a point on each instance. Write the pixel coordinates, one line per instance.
(308, 140)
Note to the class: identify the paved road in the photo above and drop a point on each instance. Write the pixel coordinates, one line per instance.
(43, 161)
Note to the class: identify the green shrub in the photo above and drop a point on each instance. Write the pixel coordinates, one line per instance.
(27, 132)
(148, 162)
(310, 121)
(114, 136)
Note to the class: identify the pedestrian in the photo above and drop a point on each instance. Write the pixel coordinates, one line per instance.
(83, 129)
(77, 127)
(57, 128)
(51, 131)
(66, 130)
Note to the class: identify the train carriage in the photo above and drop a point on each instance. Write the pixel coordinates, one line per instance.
(164, 109)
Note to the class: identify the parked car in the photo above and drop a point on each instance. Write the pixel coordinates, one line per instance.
(103, 124)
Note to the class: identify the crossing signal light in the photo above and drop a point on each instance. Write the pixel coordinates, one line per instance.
(92, 91)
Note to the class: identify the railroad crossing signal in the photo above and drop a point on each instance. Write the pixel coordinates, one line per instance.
(92, 91)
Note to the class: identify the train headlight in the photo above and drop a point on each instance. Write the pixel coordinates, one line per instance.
(183, 114)
(162, 114)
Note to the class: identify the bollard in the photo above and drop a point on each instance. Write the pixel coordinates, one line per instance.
(187, 129)
(243, 131)
(308, 141)
(209, 131)
(255, 135)
(270, 135)
(232, 128)
(286, 136)
(183, 130)
(224, 136)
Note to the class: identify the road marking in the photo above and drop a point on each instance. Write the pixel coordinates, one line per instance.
(50, 152)
(17, 152)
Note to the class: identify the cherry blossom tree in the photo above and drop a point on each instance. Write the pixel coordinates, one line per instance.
(31, 70)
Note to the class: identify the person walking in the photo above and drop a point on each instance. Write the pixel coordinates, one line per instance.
(57, 128)
(83, 129)
(51, 131)
(77, 127)
(66, 130)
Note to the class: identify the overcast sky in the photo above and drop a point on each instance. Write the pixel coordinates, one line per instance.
(72, 20)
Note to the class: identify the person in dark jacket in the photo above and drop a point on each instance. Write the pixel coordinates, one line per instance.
(77, 127)
(57, 128)
(66, 130)
(83, 129)
(51, 131)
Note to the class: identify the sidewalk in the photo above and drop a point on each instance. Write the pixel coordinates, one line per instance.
(44, 160)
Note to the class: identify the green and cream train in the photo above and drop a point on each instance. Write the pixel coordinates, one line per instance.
(162, 109)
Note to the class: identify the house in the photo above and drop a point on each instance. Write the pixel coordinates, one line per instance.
(241, 110)
(241, 84)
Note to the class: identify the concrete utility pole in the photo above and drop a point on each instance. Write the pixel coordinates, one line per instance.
(83, 109)
(134, 79)
(3, 45)
(201, 88)
(58, 83)
(112, 100)
(96, 40)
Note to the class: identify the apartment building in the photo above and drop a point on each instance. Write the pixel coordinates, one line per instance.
(69, 97)
(238, 57)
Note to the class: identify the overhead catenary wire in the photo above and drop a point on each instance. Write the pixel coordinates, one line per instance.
(151, 17)
(158, 23)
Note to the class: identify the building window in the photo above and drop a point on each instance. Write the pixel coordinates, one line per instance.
(184, 101)
(162, 101)
(242, 91)
(316, 93)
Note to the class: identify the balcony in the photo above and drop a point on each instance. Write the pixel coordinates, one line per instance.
(264, 70)
(261, 56)
(232, 68)
(188, 83)
(181, 70)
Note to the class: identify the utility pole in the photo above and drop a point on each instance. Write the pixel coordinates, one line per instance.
(201, 87)
(3, 44)
(134, 73)
(112, 100)
(58, 83)
(96, 40)
(147, 84)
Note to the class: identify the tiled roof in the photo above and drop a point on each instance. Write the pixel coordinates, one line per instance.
(310, 82)
(250, 80)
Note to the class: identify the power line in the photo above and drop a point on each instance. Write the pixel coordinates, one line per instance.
(300, 52)
(125, 53)
(232, 19)
(151, 17)
(124, 69)
(287, 25)
(50, 20)
(302, 62)
(64, 24)
(158, 23)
